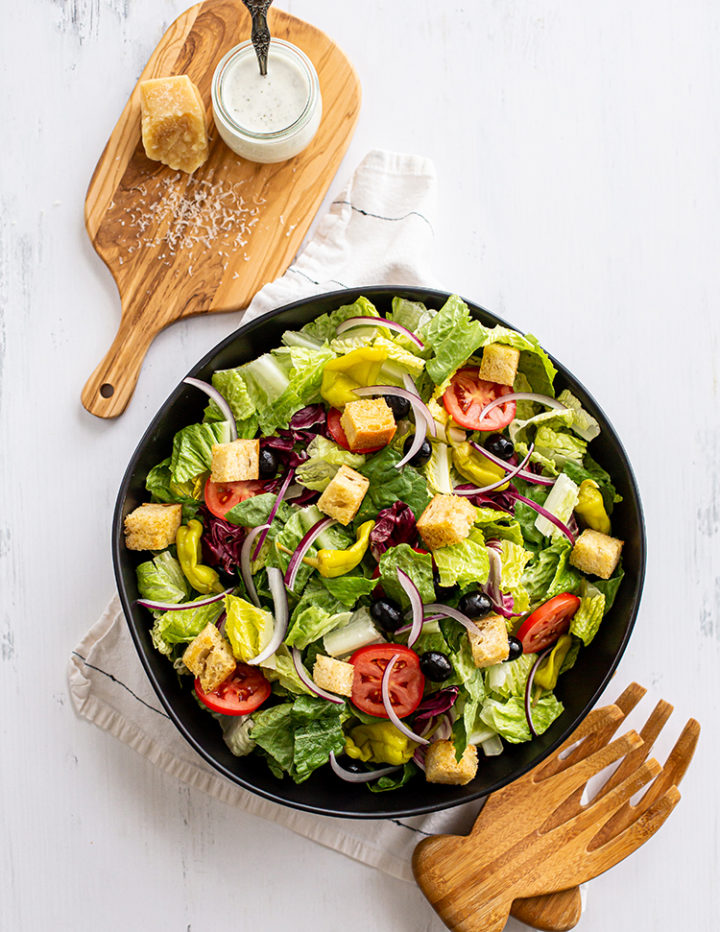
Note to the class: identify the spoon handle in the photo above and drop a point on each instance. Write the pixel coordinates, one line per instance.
(260, 33)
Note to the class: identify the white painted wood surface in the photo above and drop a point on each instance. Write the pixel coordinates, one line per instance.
(577, 146)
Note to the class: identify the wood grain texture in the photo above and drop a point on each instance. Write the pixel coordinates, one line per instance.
(179, 245)
(537, 837)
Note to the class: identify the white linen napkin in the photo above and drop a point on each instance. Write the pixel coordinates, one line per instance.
(378, 231)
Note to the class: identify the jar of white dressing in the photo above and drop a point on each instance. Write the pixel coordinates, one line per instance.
(266, 118)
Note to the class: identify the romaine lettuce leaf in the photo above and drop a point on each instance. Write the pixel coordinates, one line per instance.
(416, 317)
(583, 424)
(311, 623)
(255, 511)
(498, 525)
(559, 447)
(592, 470)
(324, 460)
(514, 559)
(509, 721)
(162, 579)
(348, 589)
(247, 627)
(464, 563)
(609, 587)
(509, 678)
(236, 734)
(231, 385)
(393, 781)
(587, 618)
(418, 566)
(549, 573)
(183, 625)
(324, 327)
(192, 449)
(388, 485)
(162, 489)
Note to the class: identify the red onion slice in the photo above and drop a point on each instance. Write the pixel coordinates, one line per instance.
(521, 396)
(280, 605)
(303, 547)
(503, 464)
(220, 623)
(308, 680)
(419, 758)
(215, 396)
(528, 689)
(392, 715)
(448, 612)
(412, 592)
(245, 560)
(495, 575)
(271, 517)
(409, 384)
(546, 514)
(351, 777)
(505, 479)
(179, 607)
(353, 322)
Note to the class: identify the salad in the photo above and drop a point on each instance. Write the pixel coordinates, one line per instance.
(381, 547)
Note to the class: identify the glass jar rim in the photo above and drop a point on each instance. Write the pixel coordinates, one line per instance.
(291, 51)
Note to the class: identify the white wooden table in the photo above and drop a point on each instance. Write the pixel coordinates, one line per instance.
(577, 146)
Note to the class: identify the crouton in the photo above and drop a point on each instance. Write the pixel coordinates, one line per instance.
(368, 423)
(441, 766)
(210, 658)
(491, 645)
(446, 520)
(236, 461)
(596, 553)
(152, 526)
(334, 675)
(499, 363)
(343, 496)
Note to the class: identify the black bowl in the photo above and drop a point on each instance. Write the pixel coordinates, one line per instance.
(324, 793)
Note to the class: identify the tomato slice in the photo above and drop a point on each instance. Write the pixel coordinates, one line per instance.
(220, 497)
(468, 394)
(548, 623)
(242, 692)
(406, 680)
(335, 429)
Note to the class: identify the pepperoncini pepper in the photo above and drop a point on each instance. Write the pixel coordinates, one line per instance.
(475, 467)
(202, 578)
(333, 563)
(549, 670)
(343, 375)
(591, 507)
(380, 742)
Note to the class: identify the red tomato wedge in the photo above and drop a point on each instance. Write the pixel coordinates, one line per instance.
(547, 623)
(242, 692)
(337, 433)
(468, 394)
(220, 497)
(406, 681)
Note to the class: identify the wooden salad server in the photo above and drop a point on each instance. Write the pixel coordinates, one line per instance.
(178, 244)
(534, 840)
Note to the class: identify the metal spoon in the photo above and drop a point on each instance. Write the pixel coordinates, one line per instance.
(260, 32)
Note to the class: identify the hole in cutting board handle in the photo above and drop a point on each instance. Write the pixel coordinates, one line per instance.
(107, 390)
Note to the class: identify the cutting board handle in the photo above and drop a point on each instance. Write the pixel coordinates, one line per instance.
(110, 387)
(550, 912)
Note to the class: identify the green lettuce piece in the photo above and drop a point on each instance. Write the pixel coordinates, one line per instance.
(298, 737)
(324, 460)
(464, 563)
(349, 589)
(305, 370)
(236, 734)
(587, 618)
(583, 424)
(183, 625)
(416, 317)
(592, 470)
(496, 525)
(418, 566)
(438, 469)
(399, 360)
(549, 573)
(609, 587)
(509, 678)
(394, 781)
(324, 327)
(162, 579)
(312, 623)
(255, 511)
(466, 674)
(508, 718)
(247, 627)
(559, 447)
(231, 385)
(514, 559)
(526, 516)
(280, 669)
(431, 638)
(192, 449)
(388, 485)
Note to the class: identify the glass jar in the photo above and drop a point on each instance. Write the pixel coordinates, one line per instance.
(266, 118)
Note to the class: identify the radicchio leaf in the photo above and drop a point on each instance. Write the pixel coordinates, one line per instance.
(435, 704)
(221, 542)
(394, 525)
(288, 444)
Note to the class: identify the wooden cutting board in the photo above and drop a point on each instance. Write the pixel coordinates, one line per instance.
(179, 245)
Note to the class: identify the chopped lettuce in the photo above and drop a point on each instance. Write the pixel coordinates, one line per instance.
(587, 618)
(181, 626)
(231, 385)
(350, 588)
(236, 734)
(418, 566)
(324, 327)
(324, 460)
(498, 525)
(297, 737)
(514, 559)
(561, 502)
(549, 573)
(464, 563)
(192, 449)
(416, 317)
(592, 470)
(437, 470)
(312, 623)
(388, 485)
(161, 487)
(255, 511)
(609, 587)
(247, 627)
(509, 678)
(162, 579)
(559, 447)
(582, 423)
(509, 721)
